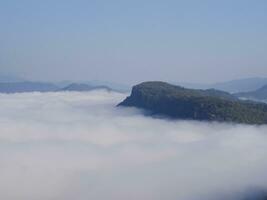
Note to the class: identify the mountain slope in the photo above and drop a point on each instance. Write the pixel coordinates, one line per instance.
(176, 102)
(234, 86)
(241, 85)
(259, 94)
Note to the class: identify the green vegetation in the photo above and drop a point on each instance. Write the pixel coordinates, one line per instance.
(180, 103)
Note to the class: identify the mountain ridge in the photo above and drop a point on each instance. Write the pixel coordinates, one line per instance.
(81, 87)
(30, 86)
(259, 94)
(26, 86)
(160, 98)
(232, 86)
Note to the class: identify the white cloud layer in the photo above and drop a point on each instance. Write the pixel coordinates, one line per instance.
(65, 146)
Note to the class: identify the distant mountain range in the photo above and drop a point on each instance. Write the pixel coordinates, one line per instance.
(241, 85)
(84, 87)
(27, 86)
(160, 98)
(10, 84)
(234, 86)
(13, 84)
(259, 94)
(113, 86)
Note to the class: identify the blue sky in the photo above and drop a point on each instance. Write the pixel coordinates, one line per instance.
(132, 41)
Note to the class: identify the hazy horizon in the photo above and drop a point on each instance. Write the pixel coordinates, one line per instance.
(15, 78)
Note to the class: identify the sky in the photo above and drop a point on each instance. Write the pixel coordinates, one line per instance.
(71, 145)
(132, 41)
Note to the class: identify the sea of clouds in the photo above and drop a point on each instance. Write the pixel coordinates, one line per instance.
(71, 145)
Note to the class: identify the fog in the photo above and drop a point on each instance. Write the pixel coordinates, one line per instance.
(65, 146)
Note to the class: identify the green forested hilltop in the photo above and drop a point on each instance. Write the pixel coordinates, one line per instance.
(161, 98)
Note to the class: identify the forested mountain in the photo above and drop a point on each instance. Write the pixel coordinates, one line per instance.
(161, 98)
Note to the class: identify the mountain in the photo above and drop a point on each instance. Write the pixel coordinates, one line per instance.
(30, 86)
(241, 85)
(26, 86)
(83, 87)
(112, 86)
(176, 102)
(259, 94)
(63, 84)
(234, 86)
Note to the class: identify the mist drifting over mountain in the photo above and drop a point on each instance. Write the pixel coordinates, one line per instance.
(71, 145)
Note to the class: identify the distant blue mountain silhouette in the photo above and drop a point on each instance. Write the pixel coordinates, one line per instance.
(234, 86)
(27, 86)
(84, 87)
